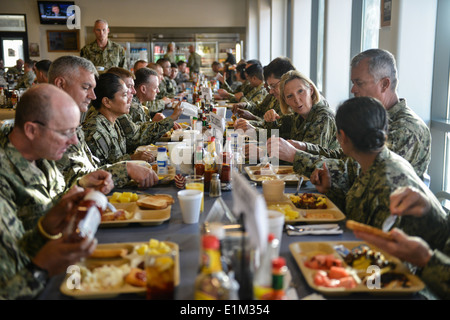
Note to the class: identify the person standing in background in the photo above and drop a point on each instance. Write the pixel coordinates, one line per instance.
(26, 81)
(103, 52)
(194, 61)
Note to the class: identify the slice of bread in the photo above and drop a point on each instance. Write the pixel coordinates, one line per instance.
(108, 253)
(155, 202)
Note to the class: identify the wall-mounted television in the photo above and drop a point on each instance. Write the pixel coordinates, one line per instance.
(54, 12)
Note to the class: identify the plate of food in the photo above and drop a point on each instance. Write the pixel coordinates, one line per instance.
(269, 172)
(145, 209)
(339, 268)
(307, 208)
(114, 269)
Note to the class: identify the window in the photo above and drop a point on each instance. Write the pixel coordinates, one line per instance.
(370, 24)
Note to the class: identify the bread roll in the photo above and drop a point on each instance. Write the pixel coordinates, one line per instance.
(353, 225)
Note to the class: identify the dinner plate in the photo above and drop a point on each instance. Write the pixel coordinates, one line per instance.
(145, 217)
(285, 173)
(107, 293)
(304, 251)
(331, 214)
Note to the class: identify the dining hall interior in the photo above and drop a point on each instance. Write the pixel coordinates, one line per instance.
(319, 37)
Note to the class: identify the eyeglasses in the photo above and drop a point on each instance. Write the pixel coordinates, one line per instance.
(273, 87)
(68, 134)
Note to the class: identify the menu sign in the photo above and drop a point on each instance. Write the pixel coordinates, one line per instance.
(217, 122)
(249, 204)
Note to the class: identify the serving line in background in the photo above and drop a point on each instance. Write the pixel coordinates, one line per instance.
(187, 236)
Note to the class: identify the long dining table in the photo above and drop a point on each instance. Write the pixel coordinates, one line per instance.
(187, 236)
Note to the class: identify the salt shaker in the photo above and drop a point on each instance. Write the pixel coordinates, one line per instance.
(215, 188)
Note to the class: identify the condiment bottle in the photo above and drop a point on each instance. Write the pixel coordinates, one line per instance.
(279, 270)
(263, 281)
(162, 161)
(212, 283)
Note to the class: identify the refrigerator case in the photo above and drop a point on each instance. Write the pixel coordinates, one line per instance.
(160, 49)
(136, 51)
(209, 53)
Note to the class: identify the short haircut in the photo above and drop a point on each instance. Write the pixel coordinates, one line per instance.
(382, 64)
(289, 76)
(67, 65)
(278, 67)
(108, 84)
(173, 65)
(121, 72)
(160, 61)
(143, 76)
(180, 62)
(102, 21)
(255, 70)
(33, 106)
(240, 68)
(138, 62)
(43, 65)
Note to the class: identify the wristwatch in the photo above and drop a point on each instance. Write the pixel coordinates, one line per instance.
(38, 273)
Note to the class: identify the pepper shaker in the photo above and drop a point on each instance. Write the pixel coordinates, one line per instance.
(215, 189)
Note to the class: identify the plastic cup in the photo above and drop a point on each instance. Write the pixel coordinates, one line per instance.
(276, 223)
(273, 190)
(190, 203)
(196, 182)
(160, 271)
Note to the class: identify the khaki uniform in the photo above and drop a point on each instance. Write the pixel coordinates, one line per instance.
(30, 189)
(112, 56)
(26, 81)
(112, 143)
(16, 247)
(318, 128)
(408, 136)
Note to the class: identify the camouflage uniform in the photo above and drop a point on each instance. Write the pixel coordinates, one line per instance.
(364, 197)
(112, 143)
(436, 274)
(26, 81)
(255, 96)
(17, 246)
(30, 189)
(166, 88)
(194, 62)
(78, 161)
(138, 112)
(318, 128)
(408, 136)
(269, 102)
(112, 56)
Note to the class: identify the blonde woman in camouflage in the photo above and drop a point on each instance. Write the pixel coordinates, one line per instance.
(306, 116)
(364, 195)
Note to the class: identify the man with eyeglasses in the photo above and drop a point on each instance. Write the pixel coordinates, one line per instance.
(76, 76)
(253, 116)
(45, 126)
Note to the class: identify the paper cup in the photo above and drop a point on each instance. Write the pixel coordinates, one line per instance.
(276, 223)
(273, 190)
(190, 203)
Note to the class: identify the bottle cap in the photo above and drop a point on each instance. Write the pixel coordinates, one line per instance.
(215, 176)
(98, 197)
(271, 237)
(161, 149)
(278, 262)
(210, 242)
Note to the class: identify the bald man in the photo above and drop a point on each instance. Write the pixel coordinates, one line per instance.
(45, 126)
(104, 52)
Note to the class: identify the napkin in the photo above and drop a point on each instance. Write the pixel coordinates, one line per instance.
(314, 229)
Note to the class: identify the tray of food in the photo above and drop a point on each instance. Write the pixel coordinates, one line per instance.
(145, 209)
(269, 172)
(339, 268)
(114, 269)
(307, 207)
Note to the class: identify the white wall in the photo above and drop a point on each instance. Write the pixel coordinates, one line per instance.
(337, 51)
(416, 42)
(279, 28)
(134, 13)
(301, 35)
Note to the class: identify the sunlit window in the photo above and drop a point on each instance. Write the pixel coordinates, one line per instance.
(370, 24)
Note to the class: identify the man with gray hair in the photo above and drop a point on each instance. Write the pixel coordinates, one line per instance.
(373, 74)
(76, 76)
(103, 52)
